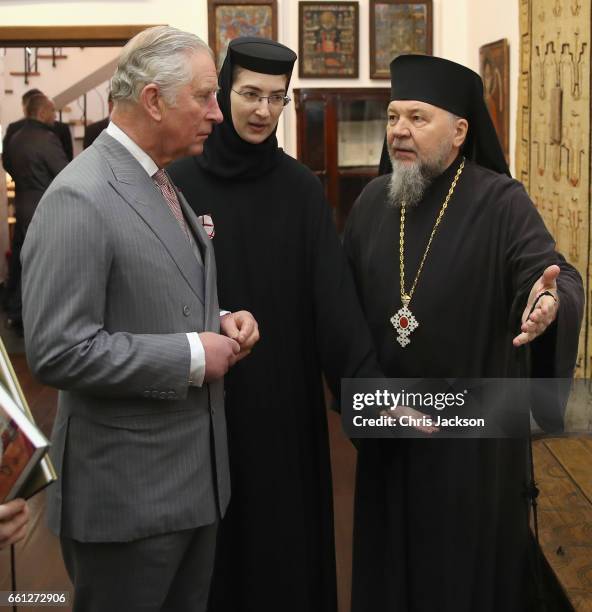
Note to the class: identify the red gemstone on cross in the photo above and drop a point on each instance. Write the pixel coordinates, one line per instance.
(404, 322)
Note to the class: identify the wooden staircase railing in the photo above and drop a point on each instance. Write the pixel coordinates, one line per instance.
(32, 57)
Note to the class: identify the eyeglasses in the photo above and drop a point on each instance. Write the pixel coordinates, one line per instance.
(252, 98)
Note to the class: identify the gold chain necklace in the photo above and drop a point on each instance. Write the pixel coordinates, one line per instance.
(403, 320)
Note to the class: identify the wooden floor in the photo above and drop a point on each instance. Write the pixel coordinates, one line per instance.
(564, 473)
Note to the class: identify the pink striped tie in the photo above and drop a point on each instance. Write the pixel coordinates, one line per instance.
(164, 184)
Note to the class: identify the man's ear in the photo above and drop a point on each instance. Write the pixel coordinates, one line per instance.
(151, 101)
(460, 132)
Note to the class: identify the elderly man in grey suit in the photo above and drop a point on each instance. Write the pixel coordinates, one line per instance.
(121, 314)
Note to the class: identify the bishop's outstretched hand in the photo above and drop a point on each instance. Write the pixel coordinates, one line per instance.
(541, 308)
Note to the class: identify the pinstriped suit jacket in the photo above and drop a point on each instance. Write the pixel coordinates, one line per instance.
(110, 289)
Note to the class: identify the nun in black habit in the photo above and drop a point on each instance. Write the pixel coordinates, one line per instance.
(442, 525)
(278, 255)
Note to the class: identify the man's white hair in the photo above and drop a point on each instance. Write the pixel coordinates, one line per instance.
(157, 55)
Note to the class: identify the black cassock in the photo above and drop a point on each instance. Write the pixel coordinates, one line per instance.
(278, 255)
(442, 525)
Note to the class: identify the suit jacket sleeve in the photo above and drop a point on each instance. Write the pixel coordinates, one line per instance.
(66, 262)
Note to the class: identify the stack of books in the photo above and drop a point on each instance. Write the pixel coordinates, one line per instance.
(25, 468)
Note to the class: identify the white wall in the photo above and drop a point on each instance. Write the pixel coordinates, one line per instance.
(190, 15)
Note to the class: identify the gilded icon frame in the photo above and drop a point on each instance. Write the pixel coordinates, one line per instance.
(228, 19)
(396, 27)
(328, 40)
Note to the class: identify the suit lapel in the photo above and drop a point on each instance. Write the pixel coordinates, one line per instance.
(134, 185)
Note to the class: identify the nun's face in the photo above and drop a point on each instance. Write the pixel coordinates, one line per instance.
(256, 102)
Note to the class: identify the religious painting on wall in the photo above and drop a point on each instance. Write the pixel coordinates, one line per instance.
(494, 66)
(229, 19)
(397, 27)
(328, 40)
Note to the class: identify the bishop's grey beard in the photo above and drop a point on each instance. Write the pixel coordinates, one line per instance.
(409, 181)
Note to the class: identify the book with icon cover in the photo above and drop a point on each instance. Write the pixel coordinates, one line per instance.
(44, 473)
(22, 446)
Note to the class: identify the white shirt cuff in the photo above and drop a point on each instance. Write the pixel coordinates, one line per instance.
(224, 312)
(197, 369)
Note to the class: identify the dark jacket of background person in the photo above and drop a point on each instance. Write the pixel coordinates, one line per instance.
(36, 158)
(64, 135)
(93, 130)
(60, 129)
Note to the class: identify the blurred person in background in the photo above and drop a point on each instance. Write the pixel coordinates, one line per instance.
(94, 129)
(62, 131)
(36, 158)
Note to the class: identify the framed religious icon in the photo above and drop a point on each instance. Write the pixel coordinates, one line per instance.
(494, 66)
(229, 19)
(398, 27)
(328, 40)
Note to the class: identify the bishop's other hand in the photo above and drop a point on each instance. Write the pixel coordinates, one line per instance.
(541, 308)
